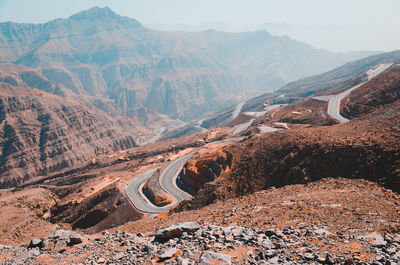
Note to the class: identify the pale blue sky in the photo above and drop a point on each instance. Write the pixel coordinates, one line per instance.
(339, 25)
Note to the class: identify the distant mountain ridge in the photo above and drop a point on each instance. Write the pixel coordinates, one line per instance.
(339, 78)
(183, 75)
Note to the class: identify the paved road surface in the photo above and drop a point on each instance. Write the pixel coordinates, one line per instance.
(168, 177)
(241, 127)
(133, 191)
(237, 110)
(334, 102)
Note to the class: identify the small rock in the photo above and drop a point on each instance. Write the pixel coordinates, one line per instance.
(237, 231)
(119, 256)
(274, 260)
(266, 243)
(273, 232)
(36, 243)
(32, 253)
(391, 251)
(74, 238)
(270, 253)
(308, 256)
(323, 232)
(229, 238)
(320, 258)
(149, 248)
(182, 261)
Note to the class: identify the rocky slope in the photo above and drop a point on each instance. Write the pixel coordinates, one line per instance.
(321, 195)
(332, 221)
(41, 133)
(95, 212)
(364, 148)
(205, 166)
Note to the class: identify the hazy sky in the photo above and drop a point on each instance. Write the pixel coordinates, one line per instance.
(338, 25)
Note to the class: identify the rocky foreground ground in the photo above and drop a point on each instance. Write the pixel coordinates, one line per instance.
(332, 221)
(190, 243)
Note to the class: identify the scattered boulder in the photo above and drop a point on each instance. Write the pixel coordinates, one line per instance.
(168, 254)
(74, 238)
(174, 231)
(204, 244)
(209, 257)
(65, 238)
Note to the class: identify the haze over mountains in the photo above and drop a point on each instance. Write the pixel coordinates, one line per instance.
(246, 147)
(130, 80)
(180, 74)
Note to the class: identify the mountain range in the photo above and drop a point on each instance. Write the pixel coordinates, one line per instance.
(104, 82)
(194, 147)
(181, 74)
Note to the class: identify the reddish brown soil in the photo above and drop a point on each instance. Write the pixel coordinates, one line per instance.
(366, 148)
(21, 215)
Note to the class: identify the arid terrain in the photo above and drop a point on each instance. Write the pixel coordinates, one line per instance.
(97, 166)
(310, 193)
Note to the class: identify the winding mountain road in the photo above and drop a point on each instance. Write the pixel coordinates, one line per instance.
(335, 101)
(133, 191)
(334, 104)
(168, 177)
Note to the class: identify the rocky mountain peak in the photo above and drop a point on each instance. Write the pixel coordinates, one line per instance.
(94, 12)
(101, 13)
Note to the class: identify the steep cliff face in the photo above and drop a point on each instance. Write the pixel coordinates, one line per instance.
(180, 74)
(42, 133)
(202, 169)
